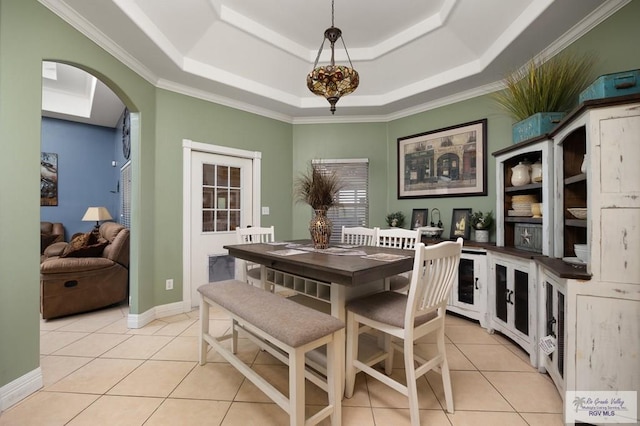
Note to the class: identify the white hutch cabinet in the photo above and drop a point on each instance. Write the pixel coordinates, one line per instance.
(592, 310)
(601, 347)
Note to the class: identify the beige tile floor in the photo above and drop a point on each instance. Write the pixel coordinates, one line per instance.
(98, 372)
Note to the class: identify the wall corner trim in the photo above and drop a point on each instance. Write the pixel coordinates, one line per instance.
(15, 391)
(157, 312)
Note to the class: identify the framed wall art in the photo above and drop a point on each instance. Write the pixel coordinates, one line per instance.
(419, 218)
(448, 162)
(48, 179)
(460, 226)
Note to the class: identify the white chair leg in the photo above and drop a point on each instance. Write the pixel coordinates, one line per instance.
(351, 355)
(412, 384)
(204, 329)
(334, 385)
(444, 371)
(388, 362)
(234, 336)
(296, 388)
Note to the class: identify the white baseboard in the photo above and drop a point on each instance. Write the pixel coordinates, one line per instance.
(161, 311)
(20, 388)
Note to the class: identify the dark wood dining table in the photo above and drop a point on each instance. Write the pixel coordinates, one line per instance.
(321, 265)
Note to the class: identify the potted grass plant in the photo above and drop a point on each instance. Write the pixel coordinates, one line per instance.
(540, 93)
(318, 189)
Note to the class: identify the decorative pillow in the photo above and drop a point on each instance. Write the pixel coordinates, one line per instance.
(85, 245)
(46, 240)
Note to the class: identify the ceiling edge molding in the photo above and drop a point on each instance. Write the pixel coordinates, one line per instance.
(369, 53)
(222, 100)
(146, 25)
(604, 11)
(233, 80)
(265, 34)
(68, 15)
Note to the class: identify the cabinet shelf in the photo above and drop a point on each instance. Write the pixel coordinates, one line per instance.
(523, 188)
(578, 223)
(575, 179)
(522, 219)
(512, 198)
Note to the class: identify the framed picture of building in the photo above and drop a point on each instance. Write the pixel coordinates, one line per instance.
(448, 162)
(48, 179)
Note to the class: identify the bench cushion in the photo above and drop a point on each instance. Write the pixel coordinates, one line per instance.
(287, 321)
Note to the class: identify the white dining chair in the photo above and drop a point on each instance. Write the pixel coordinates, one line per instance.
(399, 238)
(407, 317)
(359, 236)
(251, 271)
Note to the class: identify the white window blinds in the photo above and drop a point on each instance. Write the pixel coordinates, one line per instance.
(352, 207)
(125, 195)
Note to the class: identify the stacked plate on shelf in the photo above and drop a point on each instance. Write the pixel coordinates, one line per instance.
(521, 205)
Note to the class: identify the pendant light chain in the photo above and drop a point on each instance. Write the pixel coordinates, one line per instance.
(332, 15)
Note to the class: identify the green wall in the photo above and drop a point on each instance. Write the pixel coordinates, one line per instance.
(161, 121)
(323, 141)
(30, 33)
(498, 136)
(180, 117)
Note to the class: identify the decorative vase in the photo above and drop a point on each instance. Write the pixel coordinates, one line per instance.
(520, 174)
(583, 166)
(536, 172)
(482, 235)
(320, 229)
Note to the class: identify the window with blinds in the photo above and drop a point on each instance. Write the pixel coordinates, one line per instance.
(352, 208)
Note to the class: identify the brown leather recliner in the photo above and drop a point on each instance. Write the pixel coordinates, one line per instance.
(50, 233)
(70, 285)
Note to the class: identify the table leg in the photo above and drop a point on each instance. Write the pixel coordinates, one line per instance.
(338, 302)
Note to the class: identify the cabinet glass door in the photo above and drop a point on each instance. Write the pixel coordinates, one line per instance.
(560, 339)
(521, 289)
(501, 292)
(550, 319)
(466, 281)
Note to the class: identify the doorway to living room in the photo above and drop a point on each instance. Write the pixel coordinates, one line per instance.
(85, 129)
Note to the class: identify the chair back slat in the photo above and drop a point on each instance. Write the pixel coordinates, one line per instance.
(359, 235)
(398, 238)
(255, 235)
(434, 271)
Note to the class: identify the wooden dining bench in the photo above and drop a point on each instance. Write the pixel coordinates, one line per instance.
(286, 326)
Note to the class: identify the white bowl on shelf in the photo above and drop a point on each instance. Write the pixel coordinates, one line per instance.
(578, 212)
(582, 252)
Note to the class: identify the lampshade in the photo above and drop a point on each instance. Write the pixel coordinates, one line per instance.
(333, 81)
(97, 214)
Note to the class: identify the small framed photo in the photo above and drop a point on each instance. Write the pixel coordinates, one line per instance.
(419, 218)
(460, 226)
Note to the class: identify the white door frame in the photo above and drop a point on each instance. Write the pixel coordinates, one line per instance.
(187, 147)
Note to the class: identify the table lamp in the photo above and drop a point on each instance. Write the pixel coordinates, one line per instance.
(97, 214)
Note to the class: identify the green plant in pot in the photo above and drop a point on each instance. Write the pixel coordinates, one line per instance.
(481, 223)
(318, 188)
(395, 219)
(540, 93)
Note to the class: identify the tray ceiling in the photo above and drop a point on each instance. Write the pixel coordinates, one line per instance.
(254, 55)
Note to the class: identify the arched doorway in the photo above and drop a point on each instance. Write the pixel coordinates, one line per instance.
(85, 128)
